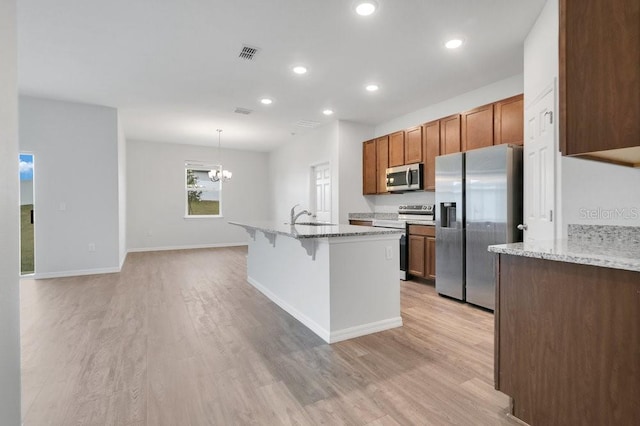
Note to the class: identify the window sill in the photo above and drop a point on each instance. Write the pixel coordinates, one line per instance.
(204, 217)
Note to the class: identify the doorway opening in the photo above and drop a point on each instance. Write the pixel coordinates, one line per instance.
(27, 240)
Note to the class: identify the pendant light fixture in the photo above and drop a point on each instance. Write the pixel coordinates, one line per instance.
(220, 174)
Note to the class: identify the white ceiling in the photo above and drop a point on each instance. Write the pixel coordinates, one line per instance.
(172, 67)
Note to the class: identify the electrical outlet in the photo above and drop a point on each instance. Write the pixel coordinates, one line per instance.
(92, 247)
(389, 252)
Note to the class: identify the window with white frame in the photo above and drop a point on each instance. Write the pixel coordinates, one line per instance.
(202, 194)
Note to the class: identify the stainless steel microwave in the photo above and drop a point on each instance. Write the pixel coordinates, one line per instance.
(405, 178)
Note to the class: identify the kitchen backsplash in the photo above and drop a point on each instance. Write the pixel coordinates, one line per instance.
(624, 236)
(389, 203)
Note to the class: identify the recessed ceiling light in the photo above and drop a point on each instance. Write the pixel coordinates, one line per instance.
(327, 112)
(366, 7)
(300, 69)
(453, 44)
(266, 101)
(372, 87)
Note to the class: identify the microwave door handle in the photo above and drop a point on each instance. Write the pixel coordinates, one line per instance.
(408, 177)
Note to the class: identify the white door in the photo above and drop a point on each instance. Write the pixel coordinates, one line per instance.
(539, 169)
(322, 208)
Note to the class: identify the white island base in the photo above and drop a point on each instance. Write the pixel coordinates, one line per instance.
(339, 287)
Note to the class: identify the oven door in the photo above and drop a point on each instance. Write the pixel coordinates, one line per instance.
(405, 178)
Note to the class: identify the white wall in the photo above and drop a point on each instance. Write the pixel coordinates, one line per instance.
(9, 221)
(599, 193)
(290, 170)
(156, 198)
(351, 200)
(122, 194)
(339, 143)
(76, 185)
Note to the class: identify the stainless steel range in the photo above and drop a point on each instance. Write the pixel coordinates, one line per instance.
(421, 214)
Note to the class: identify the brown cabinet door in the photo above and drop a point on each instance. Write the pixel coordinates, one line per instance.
(369, 167)
(430, 150)
(477, 128)
(508, 122)
(382, 155)
(396, 149)
(450, 134)
(599, 76)
(413, 145)
(430, 244)
(417, 255)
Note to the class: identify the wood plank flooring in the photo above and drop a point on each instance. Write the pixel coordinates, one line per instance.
(180, 338)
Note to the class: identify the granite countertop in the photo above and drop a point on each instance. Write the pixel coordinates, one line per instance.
(603, 254)
(422, 222)
(313, 231)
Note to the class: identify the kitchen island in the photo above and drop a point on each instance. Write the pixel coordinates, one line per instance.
(341, 281)
(567, 327)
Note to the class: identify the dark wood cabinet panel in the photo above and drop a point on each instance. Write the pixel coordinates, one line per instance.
(600, 79)
(382, 159)
(417, 255)
(430, 247)
(430, 150)
(450, 134)
(360, 222)
(422, 251)
(567, 345)
(396, 149)
(508, 121)
(413, 145)
(476, 128)
(369, 176)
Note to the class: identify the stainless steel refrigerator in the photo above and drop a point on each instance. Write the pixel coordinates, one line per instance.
(478, 203)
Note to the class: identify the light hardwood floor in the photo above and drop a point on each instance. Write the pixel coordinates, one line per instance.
(180, 338)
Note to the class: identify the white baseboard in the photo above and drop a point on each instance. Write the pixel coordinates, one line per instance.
(123, 259)
(78, 272)
(326, 335)
(364, 329)
(190, 247)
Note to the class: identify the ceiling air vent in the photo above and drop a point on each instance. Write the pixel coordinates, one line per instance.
(248, 52)
(307, 123)
(245, 111)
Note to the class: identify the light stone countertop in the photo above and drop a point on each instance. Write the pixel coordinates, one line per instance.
(607, 255)
(311, 231)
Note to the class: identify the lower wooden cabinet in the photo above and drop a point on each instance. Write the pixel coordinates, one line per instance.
(360, 222)
(422, 251)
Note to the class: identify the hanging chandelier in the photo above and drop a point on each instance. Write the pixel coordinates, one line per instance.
(220, 174)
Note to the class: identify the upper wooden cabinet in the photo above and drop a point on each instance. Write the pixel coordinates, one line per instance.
(508, 121)
(396, 149)
(430, 150)
(382, 161)
(413, 145)
(369, 176)
(450, 134)
(600, 80)
(476, 128)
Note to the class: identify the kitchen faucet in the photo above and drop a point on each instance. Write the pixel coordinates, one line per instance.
(295, 216)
